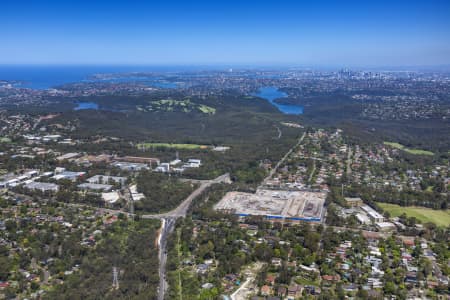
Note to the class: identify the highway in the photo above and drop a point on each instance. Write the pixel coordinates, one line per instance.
(168, 220)
(182, 209)
(166, 228)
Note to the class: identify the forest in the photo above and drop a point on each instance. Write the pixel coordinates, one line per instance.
(340, 110)
(127, 245)
(162, 193)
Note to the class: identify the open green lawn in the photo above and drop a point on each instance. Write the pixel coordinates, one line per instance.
(170, 105)
(425, 215)
(418, 151)
(410, 151)
(305, 281)
(173, 146)
(206, 109)
(5, 140)
(394, 145)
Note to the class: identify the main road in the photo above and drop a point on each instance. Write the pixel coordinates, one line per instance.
(167, 226)
(168, 220)
(181, 210)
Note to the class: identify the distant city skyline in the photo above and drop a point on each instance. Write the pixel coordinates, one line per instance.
(319, 33)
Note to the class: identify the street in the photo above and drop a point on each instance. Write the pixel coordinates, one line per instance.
(168, 224)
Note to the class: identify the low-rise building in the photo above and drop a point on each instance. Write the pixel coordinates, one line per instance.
(68, 156)
(73, 176)
(134, 193)
(372, 213)
(104, 179)
(354, 202)
(138, 159)
(362, 218)
(95, 187)
(127, 166)
(385, 226)
(164, 168)
(110, 197)
(42, 186)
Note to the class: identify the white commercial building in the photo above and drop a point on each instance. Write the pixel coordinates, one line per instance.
(373, 214)
(42, 186)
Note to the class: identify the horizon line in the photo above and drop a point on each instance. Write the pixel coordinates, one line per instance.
(228, 65)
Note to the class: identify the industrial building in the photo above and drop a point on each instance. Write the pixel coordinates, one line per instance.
(137, 159)
(363, 218)
(42, 186)
(163, 168)
(111, 197)
(105, 179)
(193, 163)
(385, 226)
(13, 180)
(131, 166)
(68, 156)
(134, 193)
(372, 213)
(95, 187)
(62, 173)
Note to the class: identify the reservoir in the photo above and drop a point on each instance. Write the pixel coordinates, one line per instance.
(271, 93)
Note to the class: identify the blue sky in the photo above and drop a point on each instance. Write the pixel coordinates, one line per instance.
(344, 33)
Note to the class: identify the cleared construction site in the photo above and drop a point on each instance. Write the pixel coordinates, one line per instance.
(275, 204)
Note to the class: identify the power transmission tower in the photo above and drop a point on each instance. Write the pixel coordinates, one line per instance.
(115, 284)
(131, 206)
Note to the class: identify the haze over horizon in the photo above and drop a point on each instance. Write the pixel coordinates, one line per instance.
(355, 33)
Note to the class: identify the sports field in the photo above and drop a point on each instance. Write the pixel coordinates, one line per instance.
(410, 151)
(172, 146)
(425, 215)
(5, 140)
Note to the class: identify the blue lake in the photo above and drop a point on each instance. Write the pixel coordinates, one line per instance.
(86, 105)
(271, 93)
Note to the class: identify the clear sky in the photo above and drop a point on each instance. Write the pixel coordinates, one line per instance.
(360, 33)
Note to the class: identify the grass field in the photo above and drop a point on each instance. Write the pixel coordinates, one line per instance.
(172, 146)
(425, 215)
(305, 281)
(410, 151)
(170, 105)
(207, 109)
(5, 140)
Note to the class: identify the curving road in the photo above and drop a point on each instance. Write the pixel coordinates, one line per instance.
(168, 220)
(182, 209)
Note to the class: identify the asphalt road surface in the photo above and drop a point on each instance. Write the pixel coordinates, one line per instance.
(182, 209)
(168, 224)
